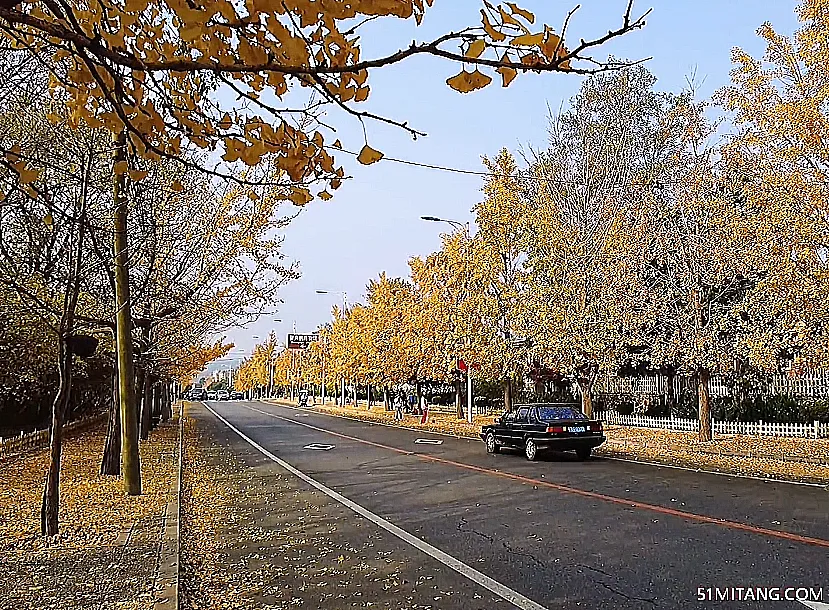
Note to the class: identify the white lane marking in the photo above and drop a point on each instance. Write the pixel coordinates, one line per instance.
(815, 605)
(502, 591)
(318, 447)
(429, 441)
(604, 457)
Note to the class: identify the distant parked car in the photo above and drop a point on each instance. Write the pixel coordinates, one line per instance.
(198, 394)
(211, 395)
(536, 428)
(222, 395)
(234, 395)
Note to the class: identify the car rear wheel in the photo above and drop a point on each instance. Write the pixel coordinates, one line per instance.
(491, 445)
(583, 453)
(531, 450)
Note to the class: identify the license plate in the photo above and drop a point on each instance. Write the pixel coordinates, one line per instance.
(577, 429)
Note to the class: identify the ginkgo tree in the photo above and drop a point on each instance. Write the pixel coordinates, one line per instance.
(500, 251)
(585, 222)
(779, 161)
(151, 69)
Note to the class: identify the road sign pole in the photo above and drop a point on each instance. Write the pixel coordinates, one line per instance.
(323, 377)
(469, 393)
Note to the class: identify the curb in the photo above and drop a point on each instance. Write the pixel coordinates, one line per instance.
(166, 590)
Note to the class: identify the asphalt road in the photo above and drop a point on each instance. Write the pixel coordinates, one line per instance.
(562, 533)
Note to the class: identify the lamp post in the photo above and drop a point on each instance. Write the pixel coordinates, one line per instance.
(345, 310)
(322, 374)
(462, 226)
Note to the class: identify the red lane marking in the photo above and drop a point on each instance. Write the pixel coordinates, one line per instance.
(579, 492)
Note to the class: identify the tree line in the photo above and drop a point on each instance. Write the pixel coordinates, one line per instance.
(146, 151)
(655, 232)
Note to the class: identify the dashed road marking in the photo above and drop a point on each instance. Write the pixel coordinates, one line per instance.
(734, 525)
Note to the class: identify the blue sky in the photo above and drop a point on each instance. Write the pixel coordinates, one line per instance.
(373, 222)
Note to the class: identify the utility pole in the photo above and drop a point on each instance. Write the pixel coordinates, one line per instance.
(322, 379)
(467, 273)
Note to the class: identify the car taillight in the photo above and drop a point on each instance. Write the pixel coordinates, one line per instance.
(553, 429)
(595, 427)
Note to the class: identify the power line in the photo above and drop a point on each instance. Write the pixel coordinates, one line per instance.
(484, 174)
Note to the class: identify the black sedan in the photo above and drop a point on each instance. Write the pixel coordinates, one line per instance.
(535, 428)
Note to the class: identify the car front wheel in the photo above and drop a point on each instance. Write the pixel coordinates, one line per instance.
(491, 445)
(531, 450)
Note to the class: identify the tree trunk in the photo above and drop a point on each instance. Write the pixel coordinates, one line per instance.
(459, 398)
(703, 380)
(111, 461)
(670, 392)
(146, 407)
(508, 394)
(154, 401)
(131, 461)
(386, 398)
(51, 491)
(368, 395)
(145, 417)
(158, 396)
(166, 407)
(140, 392)
(419, 392)
(586, 387)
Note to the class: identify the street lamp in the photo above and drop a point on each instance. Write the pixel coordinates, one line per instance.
(461, 226)
(345, 296)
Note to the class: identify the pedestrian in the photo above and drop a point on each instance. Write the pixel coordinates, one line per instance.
(399, 402)
(424, 410)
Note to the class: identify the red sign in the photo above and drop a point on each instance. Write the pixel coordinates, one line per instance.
(461, 365)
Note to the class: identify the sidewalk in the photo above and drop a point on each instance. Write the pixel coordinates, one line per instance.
(792, 459)
(106, 554)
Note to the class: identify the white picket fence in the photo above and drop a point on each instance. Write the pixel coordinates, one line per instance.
(810, 384)
(813, 430)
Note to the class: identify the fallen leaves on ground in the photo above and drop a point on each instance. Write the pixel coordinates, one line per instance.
(106, 552)
(254, 536)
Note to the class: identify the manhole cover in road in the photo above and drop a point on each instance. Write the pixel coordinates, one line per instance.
(318, 447)
(428, 441)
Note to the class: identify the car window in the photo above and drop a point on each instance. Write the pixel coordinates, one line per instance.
(554, 413)
(522, 415)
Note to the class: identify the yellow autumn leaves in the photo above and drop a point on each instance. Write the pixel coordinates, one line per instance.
(554, 55)
(175, 57)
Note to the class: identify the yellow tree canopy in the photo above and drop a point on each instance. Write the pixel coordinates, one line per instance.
(153, 67)
(186, 362)
(779, 164)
